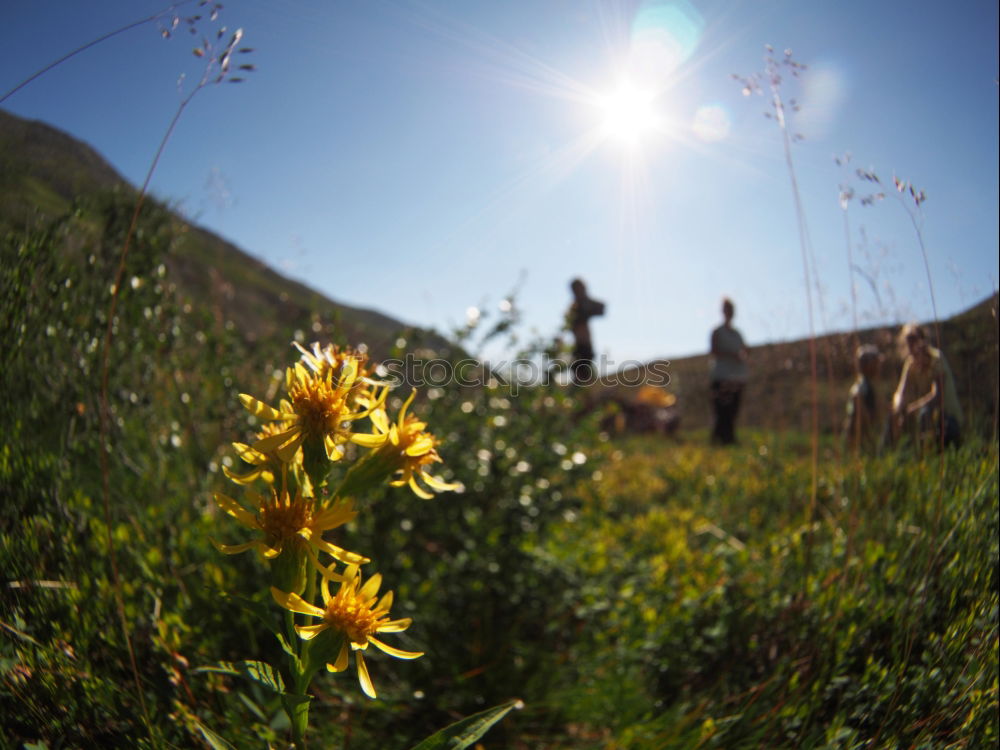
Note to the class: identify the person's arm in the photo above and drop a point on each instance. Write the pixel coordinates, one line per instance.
(933, 395)
(899, 397)
(928, 398)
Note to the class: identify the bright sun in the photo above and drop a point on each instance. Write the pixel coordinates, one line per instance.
(628, 113)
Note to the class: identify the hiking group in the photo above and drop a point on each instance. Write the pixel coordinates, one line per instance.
(924, 402)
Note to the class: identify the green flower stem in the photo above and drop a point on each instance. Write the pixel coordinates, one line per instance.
(315, 463)
(370, 471)
(310, 592)
(290, 633)
(297, 703)
(297, 707)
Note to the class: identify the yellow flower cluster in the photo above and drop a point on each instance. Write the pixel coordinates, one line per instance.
(329, 392)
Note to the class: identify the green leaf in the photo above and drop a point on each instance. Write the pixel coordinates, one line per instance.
(223, 667)
(214, 740)
(265, 674)
(463, 733)
(252, 706)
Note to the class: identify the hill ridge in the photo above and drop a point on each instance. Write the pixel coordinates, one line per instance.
(42, 170)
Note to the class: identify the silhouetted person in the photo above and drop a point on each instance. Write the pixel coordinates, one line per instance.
(862, 424)
(729, 375)
(926, 390)
(578, 320)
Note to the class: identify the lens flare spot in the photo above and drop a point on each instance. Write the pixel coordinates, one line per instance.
(665, 33)
(711, 123)
(825, 89)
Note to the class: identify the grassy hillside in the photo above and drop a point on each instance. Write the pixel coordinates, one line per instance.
(45, 172)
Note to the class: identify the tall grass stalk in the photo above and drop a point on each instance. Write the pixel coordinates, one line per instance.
(915, 214)
(772, 75)
(218, 68)
(844, 199)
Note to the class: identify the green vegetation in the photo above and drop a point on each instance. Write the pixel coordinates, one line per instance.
(632, 592)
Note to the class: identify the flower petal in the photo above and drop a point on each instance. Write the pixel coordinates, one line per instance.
(308, 632)
(295, 603)
(395, 626)
(236, 510)
(271, 442)
(367, 441)
(250, 476)
(380, 420)
(438, 483)
(385, 602)
(418, 490)
(341, 664)
(248, 454)
(258, 408)
(406, 405)
(339, 553)
(348, 374)
(371, 587)
(392, 651)
(334, 516)
(422, 445)
(287, 451)
(235, 549)
(363, 677)
(333, 450)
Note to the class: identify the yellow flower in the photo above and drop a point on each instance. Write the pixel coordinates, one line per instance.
(356, 613)
(331, 359)
(410, 450)
(264, 465)
(320, 407)
(285, 522)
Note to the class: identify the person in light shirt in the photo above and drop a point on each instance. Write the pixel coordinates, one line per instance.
(926, 390)
(729, 375)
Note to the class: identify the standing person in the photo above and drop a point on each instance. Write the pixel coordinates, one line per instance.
(578, 321)
(861, 426)
(926, 389)
(729, 375)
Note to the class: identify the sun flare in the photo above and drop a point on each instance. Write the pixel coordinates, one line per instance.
(629, 113)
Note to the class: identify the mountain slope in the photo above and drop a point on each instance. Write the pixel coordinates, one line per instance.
(43, 170)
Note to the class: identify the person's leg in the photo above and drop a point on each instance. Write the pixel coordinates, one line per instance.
(952, 436)
(582, 366)
(736, 396)
(717, 411)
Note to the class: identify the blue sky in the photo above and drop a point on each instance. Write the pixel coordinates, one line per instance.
(425, 158)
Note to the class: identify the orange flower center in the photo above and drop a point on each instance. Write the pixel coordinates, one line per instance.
(347, 613)
(285, 520)
(318, 405)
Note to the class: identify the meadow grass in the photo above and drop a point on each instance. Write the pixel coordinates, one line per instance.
(633, 592)
(718, 630)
